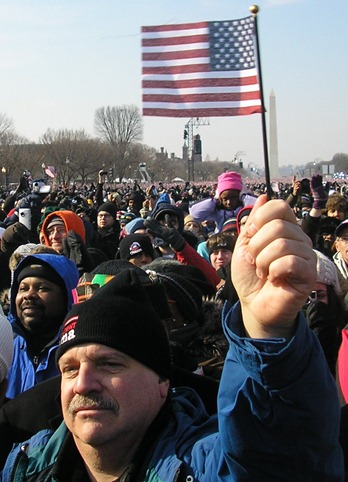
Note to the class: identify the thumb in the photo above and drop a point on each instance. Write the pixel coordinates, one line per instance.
(168, 221)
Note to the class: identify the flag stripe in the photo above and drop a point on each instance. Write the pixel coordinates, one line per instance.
(212, 89)
(172, 28)
(204, 112)
(200, 97)
(190, 68)
(201, 83)
(176, 48)
(179, 69)
(187, 54)
(190, 39)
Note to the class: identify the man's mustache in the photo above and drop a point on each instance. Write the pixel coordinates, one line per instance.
(91, 401)
(30, 304)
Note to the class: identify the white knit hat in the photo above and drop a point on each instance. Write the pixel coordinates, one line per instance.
(327, 272)
(6, 345)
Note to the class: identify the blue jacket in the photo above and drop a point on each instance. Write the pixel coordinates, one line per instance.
(25, 372)
(278, 421)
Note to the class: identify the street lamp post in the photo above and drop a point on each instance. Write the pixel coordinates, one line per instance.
(4, 173)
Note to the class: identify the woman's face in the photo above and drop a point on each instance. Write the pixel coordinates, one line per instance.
(193, 226)
(220, 258)
(319, 293)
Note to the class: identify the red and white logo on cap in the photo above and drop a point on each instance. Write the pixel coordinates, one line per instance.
(135, 248)
(68, 332)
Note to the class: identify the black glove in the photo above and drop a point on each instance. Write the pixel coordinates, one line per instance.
(14, 236)
(168, 233)
(23, 185)
(319, 194)
(76, 251)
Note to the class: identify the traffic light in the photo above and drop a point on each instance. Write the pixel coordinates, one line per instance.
(111, 172)
(185, 134)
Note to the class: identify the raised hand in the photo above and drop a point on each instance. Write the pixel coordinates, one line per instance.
(273, 269)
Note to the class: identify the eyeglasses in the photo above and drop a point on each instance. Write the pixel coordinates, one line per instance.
(104, 216)
(56, 230)
(344, 239)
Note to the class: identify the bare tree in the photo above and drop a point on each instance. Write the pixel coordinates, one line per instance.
(11, 149)
(6, 125)
(120, 127)
(74, 154)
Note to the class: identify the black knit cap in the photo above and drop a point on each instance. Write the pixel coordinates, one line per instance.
(120, 315)
(184, 293)
(187, 271)
(134, 244)
(114, 267)
(109, 208)
(40, 269)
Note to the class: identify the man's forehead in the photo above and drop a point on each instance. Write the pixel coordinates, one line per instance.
(38, 280)
(55, 221)
(93, 351)
(344, 232)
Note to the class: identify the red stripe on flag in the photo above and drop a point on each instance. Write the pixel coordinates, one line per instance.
(179, 69)
(169, 28)
(219, 97)
(215, 112)
(184, 54)
(205, 82)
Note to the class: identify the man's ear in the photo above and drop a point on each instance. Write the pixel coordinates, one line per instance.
(164, 386)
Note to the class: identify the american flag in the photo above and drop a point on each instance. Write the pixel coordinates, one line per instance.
(204, 69)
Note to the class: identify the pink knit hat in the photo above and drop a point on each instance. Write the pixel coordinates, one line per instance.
(229, 180)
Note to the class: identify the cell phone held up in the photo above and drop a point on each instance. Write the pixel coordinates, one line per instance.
(24, 217)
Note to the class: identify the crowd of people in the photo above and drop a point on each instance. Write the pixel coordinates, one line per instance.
(193, 332)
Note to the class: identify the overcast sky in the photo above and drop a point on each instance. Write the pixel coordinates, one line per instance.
(61, 60)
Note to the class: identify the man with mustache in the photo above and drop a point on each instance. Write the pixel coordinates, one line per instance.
(122, 420)
(41, 296)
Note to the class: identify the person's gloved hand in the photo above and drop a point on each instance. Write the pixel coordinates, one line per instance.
(168, 233)
(13, 236)
(319, 194)
(23, 185)
(76, 251)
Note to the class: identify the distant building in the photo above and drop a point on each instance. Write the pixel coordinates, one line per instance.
(162, 155)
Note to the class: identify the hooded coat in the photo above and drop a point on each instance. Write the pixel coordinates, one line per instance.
(26, 371)
(71, 221)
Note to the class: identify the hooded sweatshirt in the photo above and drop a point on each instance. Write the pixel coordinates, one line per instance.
(28, 370)
(71, 220)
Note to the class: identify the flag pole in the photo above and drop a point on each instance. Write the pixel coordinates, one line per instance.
(254, 9)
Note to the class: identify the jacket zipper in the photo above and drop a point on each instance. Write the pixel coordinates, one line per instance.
(19, 456)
